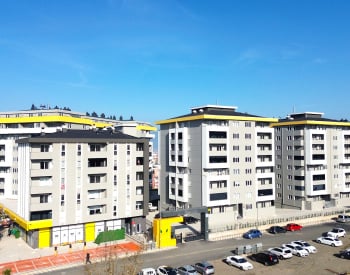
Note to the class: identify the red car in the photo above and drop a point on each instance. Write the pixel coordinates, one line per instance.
(293, 227)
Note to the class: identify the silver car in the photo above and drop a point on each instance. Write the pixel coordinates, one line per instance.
(204, 268)
(186, 270)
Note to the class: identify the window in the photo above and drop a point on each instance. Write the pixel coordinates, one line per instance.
(235, 136)
(63, 150)
(248, 124)
(44, 198)
(248, 136)
(44, 165)
(78, 198)
(62, 200)
(139, 205)
(128, 149)
(95, 178)
(235, 148)
(248, 182)
(139, 190)
(248, 147)
(44, 147)
(95, 147)
(79, 150)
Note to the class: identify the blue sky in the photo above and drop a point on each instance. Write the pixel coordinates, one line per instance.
(155, 59)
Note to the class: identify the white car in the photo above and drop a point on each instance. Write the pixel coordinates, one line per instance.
(147, 271)
(297, 249)
(166, 270)
(310, 248)
(336, 233)
(281, 252)
(239, 262)
(329, 241)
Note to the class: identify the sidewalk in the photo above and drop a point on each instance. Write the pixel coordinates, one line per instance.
(16, 255)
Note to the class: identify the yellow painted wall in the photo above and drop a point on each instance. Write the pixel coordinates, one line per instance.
(162, 231)
(44, 237)
(89, 232)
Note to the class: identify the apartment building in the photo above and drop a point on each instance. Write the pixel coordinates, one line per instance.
(312, 162)
(15, 125)
(218, 158)
(74, 184)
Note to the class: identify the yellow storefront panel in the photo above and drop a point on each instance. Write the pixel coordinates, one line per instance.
(89, 232)
(44, 237)
(162, 231)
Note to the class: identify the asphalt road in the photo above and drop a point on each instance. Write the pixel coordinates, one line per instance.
(192, 252)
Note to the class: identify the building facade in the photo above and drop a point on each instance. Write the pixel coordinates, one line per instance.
(74, 184)
(218, 158)
(312, 162)
(15, 125)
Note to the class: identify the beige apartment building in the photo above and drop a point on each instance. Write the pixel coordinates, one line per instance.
(312, 162)
(218, 158)
(75, 184)
(20, 124)
(40, 220)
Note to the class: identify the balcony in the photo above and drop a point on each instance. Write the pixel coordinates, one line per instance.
(40, 206)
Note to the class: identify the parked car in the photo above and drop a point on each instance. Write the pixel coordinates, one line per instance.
(151, 207)
(297, 249)
(329, 241)
(204, 268)
(186, 270)
(344, 254)
(310, 248)
(336, 232)
(281, 252)
(293, 227)
(343, 218)
(166, 270)
(252, 233)
(239, 261)
(189, 220)
(147, 271)
(265, 257)
(276, 229)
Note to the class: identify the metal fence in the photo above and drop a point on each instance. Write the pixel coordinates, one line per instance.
(277, 220)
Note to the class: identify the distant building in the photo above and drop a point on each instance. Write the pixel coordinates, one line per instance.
(75, 184)
(312, 162)
(218, 158)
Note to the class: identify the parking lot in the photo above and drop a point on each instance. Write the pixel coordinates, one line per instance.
(324, 262)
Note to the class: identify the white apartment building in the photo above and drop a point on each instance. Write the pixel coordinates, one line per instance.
(74, 184)
(218, 158)
(21, 124)
(312, 162)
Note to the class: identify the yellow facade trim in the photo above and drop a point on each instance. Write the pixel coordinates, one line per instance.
(64, 119)
(162, 231)
(44, 237)
(26, 225)
(89, 232)
(311, 122)
(216, 117)
(146, 128)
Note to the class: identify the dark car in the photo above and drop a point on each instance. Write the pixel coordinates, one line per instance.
(252, 233)
(189, 220)
(265, 257)
(344, 254)
(276, 229)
